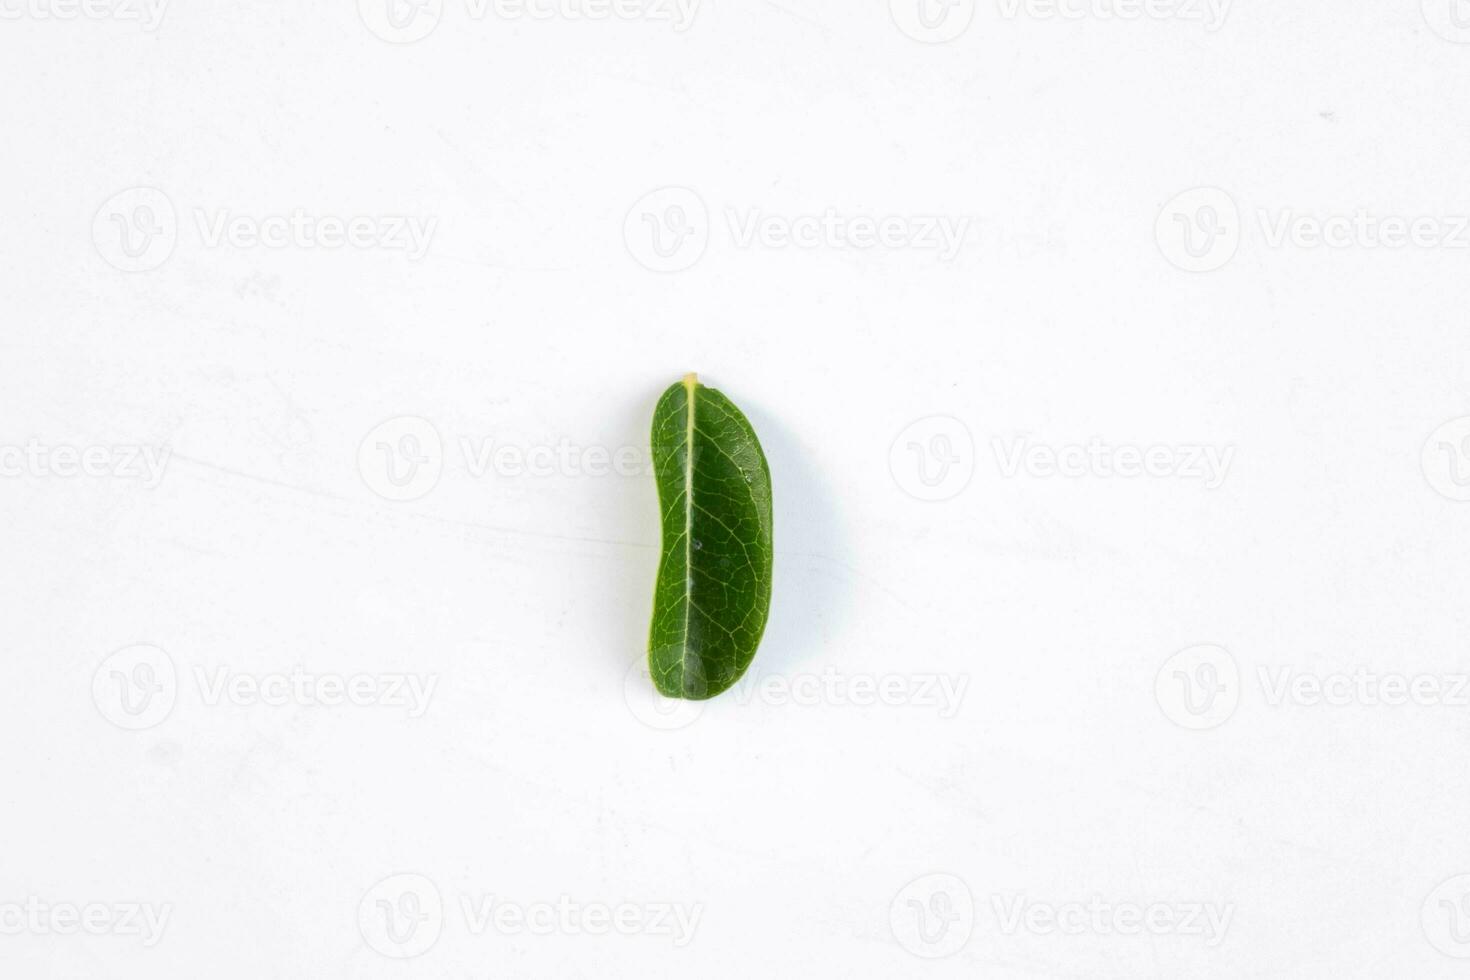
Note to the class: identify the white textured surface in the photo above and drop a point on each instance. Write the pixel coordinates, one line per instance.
(534, 152)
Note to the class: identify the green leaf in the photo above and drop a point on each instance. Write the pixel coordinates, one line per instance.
(714, 577)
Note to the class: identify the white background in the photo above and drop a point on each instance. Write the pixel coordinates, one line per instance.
(1335, 543)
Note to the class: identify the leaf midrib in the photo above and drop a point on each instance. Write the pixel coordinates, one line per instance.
(691, 384)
